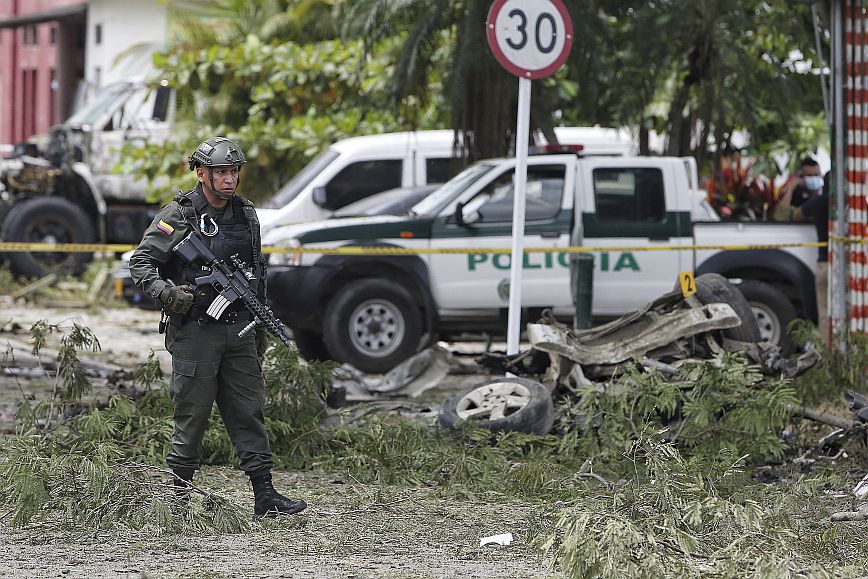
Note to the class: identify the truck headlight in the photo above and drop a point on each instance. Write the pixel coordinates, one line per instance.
(287, 253)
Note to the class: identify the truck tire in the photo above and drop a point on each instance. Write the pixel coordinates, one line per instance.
(713, 288)
(501, 405)
(372, 324)
(47, 220)
(773, 312)
(310, 345)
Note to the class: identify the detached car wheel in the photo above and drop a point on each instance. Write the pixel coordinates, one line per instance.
(47, 220)
(773, 312)
(502, 404)
(373, 325)
(713, 288)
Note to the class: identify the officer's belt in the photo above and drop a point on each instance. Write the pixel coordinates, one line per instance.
(196, 314)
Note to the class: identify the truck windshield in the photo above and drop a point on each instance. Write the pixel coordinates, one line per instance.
(432, 204)
(295, 185)
(104, 101)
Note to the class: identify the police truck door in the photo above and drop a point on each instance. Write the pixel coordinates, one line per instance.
(631, 202)
(479, 279)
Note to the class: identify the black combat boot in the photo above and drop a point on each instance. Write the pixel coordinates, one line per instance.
(182, 481)
(269, 502)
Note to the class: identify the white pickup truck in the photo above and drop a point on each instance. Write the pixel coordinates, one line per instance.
(373, 311)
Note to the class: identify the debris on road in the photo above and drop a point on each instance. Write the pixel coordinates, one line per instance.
(504, 540)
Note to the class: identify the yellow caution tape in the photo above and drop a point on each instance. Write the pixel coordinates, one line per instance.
(15, 246)
(6, 246)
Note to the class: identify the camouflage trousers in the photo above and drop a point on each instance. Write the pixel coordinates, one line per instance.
(210, 363)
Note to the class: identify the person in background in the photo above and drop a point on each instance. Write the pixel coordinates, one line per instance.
(816, 210)
(804, 185)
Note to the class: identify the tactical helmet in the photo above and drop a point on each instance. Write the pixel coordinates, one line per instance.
(217, 152)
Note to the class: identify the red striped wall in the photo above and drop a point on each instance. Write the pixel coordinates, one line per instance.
(856, 215)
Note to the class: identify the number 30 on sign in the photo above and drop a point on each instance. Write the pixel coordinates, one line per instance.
(529, 38)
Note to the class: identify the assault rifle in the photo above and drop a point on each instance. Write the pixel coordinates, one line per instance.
(232, 283)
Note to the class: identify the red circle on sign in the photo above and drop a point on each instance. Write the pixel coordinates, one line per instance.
(512, 67)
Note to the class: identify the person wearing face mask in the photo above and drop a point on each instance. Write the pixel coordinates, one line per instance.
(804, 185)
(816, 210)
(210, 362)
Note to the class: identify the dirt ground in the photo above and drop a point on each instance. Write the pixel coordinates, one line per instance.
(349, 530)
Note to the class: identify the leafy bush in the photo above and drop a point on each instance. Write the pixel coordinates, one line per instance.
(736, 194)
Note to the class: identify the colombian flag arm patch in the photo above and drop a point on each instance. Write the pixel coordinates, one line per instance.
(165, 227)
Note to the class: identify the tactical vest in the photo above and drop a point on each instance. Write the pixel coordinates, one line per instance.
(236, 235)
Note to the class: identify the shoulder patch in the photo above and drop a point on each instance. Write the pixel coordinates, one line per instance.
(165, 227)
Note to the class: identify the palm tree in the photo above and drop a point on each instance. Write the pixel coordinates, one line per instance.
(481, 96)
(203, 23)
(696, 70)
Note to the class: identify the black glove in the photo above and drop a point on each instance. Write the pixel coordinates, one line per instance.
(177, 299)
(261, 342)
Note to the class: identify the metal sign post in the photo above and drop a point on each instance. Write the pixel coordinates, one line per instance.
(531, 39)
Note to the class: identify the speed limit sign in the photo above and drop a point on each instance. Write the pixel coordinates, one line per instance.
(529, 38)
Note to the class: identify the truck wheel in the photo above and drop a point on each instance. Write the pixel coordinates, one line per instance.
(713, 288)
(502, 404)
(773, 311)
(47, 220)
(310, 345)
(372, 324)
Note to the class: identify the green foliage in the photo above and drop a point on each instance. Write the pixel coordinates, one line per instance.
(282, 102)
(838, 370)
(695, 71)
(94, 468)
(671, 519)
(295, 403)
(719, 404)
(93, 487)
(70, 381)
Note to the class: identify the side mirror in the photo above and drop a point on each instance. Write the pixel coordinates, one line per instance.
(465, 220)
(459, 214)
(319, 196)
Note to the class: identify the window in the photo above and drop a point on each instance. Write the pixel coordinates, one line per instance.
(545, 190)
(630, 194)
(53, 35)
(359, 180)
(97, 34)
(52, 96)
(438, 170)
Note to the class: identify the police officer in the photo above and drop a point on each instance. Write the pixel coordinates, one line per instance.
(209, 361)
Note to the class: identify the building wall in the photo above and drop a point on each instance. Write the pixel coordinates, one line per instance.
(43, 81)
(135, 27)
(29, 100)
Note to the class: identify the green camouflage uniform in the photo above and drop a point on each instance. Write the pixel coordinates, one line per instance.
(209, 361)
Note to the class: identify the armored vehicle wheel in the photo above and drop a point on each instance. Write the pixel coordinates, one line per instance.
(47, 220)
(372, 324)
(501, 404)
(713, 288)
